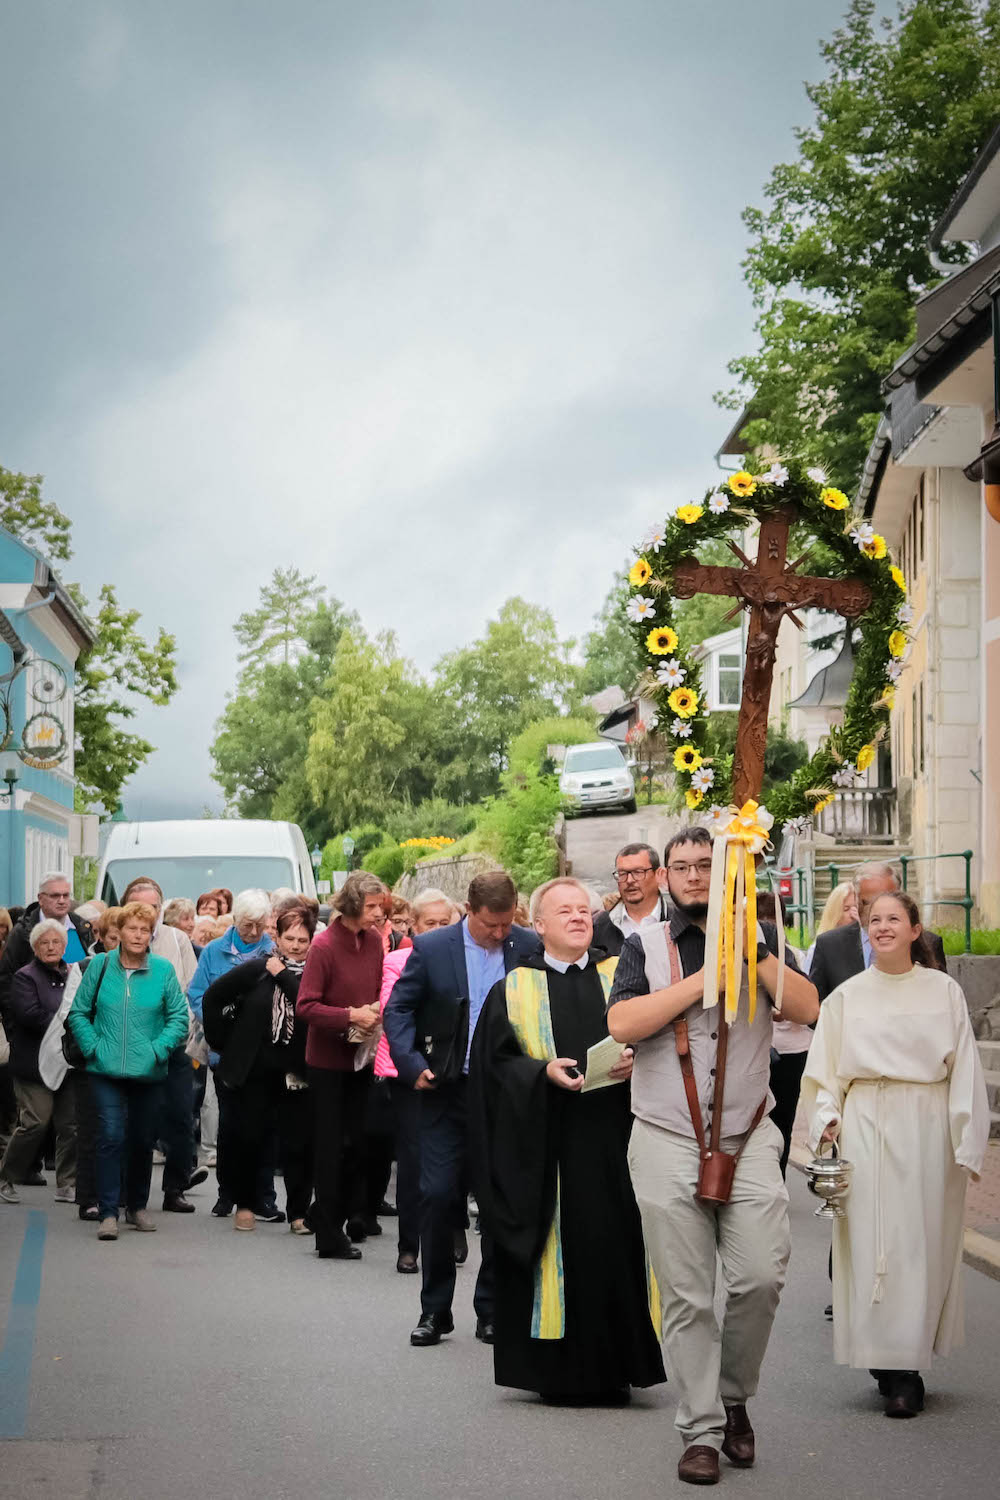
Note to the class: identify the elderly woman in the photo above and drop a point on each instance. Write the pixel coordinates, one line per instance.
(180, 913)
(247, 939)
(249, 1017)
(127, 1017)
(35, 997)
(106, 931)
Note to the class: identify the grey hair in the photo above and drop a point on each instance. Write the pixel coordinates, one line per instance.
(539, 895)
(430, 897)
(251, 906)
(178, 906)
(90, 911)
(51, 875)
(49, 924)
(874, 868)
(280, 896)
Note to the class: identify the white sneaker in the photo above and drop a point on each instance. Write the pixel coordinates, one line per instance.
(64, 1195)
(9, 1193)
(210, 1159)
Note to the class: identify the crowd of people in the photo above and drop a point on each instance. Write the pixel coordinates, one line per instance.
(626, 1148)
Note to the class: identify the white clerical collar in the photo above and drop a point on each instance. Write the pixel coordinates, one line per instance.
(562, 964)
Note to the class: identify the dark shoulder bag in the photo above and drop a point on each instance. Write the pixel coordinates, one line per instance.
(71, 1049)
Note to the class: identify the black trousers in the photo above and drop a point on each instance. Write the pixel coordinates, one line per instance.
(265, 1197)
(408, 1114)
(246, 1129)
(786, 1081)
(443, 1175)
(177, 1123)
(86, 1141)
(339, 1102)
(380, 1144)
(295, 1138)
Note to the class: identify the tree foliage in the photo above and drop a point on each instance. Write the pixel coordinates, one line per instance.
(275, 632)
(26, 513)
(611, 656)
(840, 251)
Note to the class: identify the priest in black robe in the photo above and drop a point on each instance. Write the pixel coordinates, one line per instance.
(573, 1299)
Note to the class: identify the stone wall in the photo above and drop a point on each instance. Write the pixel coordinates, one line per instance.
(980, 980)
(449, 875)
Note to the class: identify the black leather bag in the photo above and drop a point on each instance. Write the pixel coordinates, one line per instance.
(71, 1050)
(446, 1055)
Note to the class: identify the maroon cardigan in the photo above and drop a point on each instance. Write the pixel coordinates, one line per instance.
(344, 969)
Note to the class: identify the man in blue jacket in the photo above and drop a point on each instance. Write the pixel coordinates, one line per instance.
(430, 1021)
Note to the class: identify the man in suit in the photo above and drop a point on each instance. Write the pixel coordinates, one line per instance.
(846, 951)
(429, 1021)
(642, 901)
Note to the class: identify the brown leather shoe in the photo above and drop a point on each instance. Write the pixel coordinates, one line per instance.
(738, 1443)
(699, 1465)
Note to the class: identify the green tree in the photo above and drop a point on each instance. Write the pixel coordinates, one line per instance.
(276, 630)
(529, 752)
(611, 654)
(27, 514)
(376, 730)
(839, 254)
(518, 671)
(704, 615)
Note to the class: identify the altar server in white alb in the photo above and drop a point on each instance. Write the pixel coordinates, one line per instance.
(893, 1074)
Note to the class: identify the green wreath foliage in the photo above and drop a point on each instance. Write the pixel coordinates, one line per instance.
(840, 545)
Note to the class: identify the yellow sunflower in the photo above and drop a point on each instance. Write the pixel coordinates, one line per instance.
(693, 798)
(865, 757)
(686, 758)
(742, 484)
(823, 802)
(897, 577)
(662, 641)
(835, 499)
(897, 643)
(639, 573)
(876, 548)
(689, 514)
(889, 697)
(684, 702)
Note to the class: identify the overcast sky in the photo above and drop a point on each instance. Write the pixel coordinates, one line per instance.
(428, 299)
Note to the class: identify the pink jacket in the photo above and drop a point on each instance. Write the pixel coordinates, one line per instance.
(393, 965)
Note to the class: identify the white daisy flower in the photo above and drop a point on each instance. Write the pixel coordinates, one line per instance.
(777, 474)
(681, 729)
(640, 608)
(702, 779)
(718, 503)
(651, 722)
(904, 614)
(846, 775)
(818, 476)
(671, 673)
(862, 535)
(653, 540)
(894, 669)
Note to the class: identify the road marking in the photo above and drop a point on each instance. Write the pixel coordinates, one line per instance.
(19, 1339)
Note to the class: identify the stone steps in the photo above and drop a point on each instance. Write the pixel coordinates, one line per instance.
(989, 1056)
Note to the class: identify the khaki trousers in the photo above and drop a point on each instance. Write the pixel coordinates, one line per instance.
(36, 1106)
(713, 1368)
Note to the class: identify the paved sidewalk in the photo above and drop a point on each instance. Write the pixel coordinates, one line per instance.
(982, 1205)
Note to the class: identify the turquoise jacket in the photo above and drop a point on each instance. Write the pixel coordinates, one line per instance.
(140, 1016)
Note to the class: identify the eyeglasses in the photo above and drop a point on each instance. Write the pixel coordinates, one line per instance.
(624, 876)
(700, 867)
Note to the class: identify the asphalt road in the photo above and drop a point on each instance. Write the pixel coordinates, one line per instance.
(593, 840)
(199, 1362)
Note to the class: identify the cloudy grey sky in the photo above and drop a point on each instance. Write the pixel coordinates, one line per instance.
(428, 297)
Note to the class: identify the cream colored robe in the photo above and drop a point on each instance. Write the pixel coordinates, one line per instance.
(894, 1059)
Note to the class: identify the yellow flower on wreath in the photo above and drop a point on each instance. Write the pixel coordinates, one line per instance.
(897, 643)
(823, 802)
(693, 798)
(684, 702)
(689, 513)
(639, 573)
(835, 499)
(661, 641)
(876, 548)
(866, 755)
(889, 697)
(742, 484)
(686, 758)
(897, 577)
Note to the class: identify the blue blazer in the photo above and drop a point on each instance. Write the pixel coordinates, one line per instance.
(424, 1002)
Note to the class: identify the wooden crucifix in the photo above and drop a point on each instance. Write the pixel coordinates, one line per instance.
(771, 588)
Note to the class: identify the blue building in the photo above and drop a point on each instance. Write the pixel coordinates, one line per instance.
(41, 635)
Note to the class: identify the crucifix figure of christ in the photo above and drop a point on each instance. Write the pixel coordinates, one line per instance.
(772, 588)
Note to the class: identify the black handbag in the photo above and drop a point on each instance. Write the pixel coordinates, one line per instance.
(446, 1056)
(71, 1049)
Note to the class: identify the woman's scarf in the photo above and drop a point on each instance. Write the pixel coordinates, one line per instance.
(283, 1009)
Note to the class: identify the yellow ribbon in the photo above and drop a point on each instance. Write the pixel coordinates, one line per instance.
(739, 834)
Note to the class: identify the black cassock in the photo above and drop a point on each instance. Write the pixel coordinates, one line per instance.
(523, 1128)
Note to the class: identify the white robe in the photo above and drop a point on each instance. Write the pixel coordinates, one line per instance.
(894, 1059)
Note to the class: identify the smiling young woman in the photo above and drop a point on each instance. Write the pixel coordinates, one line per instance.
(893, 1074)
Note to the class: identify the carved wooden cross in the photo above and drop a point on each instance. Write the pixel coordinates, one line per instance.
(772, 589)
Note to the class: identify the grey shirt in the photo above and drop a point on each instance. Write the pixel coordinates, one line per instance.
(657, 1082)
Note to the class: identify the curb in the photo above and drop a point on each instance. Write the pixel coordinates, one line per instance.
(980, 1252)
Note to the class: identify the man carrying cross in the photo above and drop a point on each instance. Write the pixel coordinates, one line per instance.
(694, 1080)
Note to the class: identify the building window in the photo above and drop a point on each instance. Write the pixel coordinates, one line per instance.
(920, 726)
(920, 522)
(729, 681)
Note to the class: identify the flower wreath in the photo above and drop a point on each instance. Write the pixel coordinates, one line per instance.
(843, 546)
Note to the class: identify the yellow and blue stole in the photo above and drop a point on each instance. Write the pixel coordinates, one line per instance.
(527, 997)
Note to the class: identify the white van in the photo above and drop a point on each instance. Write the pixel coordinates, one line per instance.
(187, 856)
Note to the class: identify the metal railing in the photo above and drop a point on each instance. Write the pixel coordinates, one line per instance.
(966, 901)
